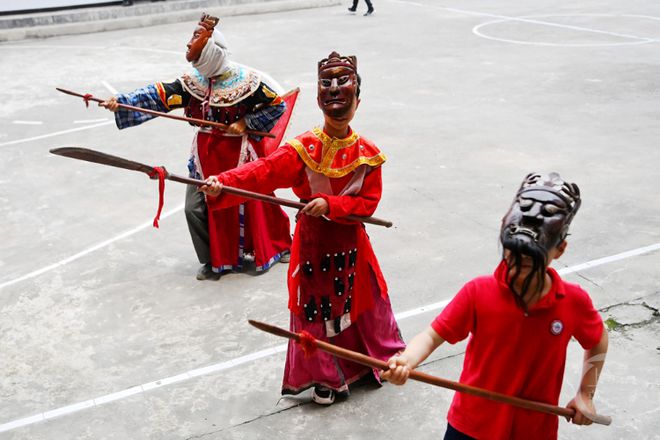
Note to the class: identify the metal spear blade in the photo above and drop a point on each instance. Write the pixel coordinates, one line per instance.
(102, 158)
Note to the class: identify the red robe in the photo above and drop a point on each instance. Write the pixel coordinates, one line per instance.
(252, 226)
(337, 291)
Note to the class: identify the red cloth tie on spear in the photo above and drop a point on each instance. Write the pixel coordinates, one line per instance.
(86, 97)
(160, 173)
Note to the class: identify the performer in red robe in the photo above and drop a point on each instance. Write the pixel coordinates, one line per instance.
(337, 291)
(222, 91)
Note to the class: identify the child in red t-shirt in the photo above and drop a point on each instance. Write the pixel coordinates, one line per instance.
(520, 320)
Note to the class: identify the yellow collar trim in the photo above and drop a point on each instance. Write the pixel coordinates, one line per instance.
(334, 143)
(328, 156)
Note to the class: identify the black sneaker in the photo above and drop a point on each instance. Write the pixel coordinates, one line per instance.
(206, 273)
(351, 9)
(323, 396)
(369, 12)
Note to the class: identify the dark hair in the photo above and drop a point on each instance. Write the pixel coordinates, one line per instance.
(517, 249)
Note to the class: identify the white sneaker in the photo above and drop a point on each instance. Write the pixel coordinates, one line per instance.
(323, 395)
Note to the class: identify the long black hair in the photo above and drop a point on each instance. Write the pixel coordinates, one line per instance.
(517, 248)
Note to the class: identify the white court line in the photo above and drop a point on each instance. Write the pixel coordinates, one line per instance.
(57, 133)
(89, 121)
(610, 259)
(27, 122)
(89, 250)
(477, 31)
(222, 366)
(109, 87)
(528, 20)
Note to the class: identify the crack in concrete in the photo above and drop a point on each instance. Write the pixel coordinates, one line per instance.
(263, 416)
(580, 275)
(632, 302)
(246, 422)
(423, 364)
(655, 313)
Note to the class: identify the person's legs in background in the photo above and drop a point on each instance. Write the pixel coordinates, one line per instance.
(197, 219)
(370, 7)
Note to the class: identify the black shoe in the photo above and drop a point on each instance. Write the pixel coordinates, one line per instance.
(206, 273)
(351, 9)
(127, 3)
(369, 12)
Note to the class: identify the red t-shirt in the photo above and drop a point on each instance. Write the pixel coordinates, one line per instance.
(514, 354)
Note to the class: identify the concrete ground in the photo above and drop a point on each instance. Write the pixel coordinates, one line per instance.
(106, 334)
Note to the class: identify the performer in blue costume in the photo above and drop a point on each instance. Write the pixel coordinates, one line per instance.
(220, 90)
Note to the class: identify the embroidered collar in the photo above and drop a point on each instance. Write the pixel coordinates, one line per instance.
(334, 157)
(332, 143)
(230, 87)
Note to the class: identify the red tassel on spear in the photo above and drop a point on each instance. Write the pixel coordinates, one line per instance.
(89, 155)
(308, 340)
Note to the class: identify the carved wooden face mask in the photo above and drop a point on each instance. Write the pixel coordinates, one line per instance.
(338, 86)
(536, 222)
(200, 37)
(541, 212)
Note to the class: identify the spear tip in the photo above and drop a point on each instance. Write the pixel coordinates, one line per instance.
(273, 330)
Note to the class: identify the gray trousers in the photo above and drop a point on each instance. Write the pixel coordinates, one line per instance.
(198, 223)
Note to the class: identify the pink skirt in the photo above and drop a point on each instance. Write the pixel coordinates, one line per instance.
(375, 334)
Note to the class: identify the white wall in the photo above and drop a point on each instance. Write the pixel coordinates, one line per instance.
(23, 5)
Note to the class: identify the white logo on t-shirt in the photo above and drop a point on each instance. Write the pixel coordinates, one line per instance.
(556, 327)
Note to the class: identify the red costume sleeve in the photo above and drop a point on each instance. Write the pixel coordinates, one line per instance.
(363, 204)
(281, 169)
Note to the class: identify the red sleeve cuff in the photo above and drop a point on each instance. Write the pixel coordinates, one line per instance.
(593, 337)
(443, 331)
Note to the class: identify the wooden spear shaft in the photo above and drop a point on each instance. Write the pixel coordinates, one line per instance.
(432, 380)
(194, 121)
(275, 200)
(99, 157)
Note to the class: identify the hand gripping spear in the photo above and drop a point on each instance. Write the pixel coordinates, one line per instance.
(161, 173)
(194, 121)
(309, 343)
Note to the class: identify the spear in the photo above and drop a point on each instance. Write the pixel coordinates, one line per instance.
(89, 155)
(309, 343)
(194, 121)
